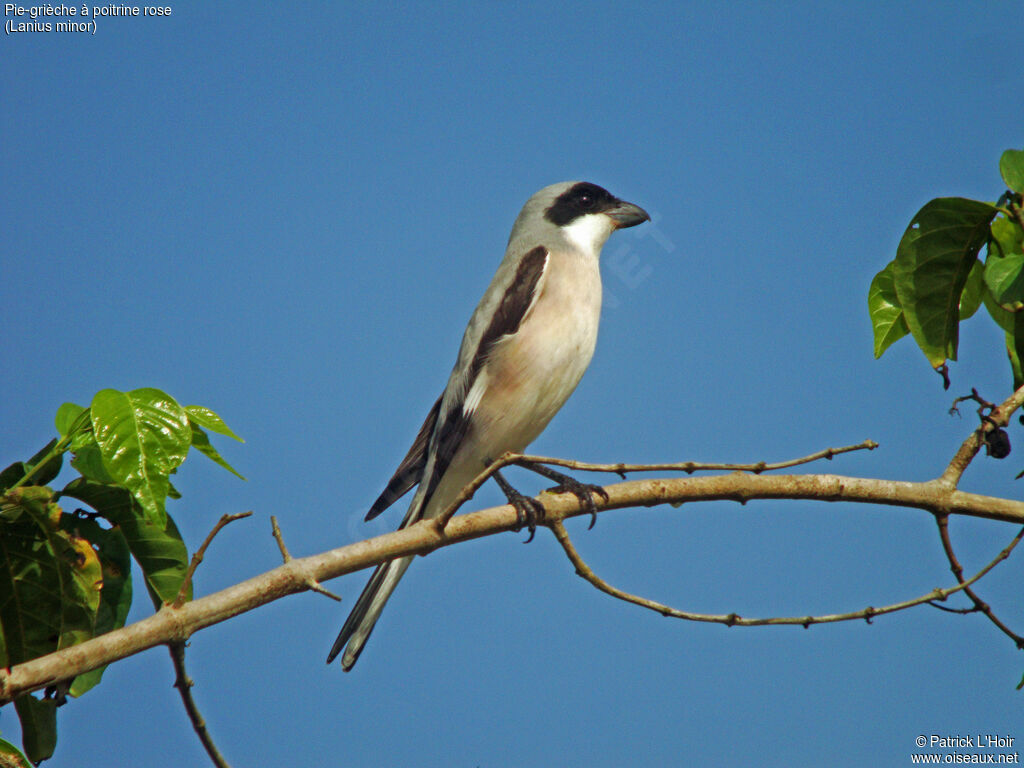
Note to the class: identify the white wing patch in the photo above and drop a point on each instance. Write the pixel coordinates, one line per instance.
(476, 392)
(483, 379)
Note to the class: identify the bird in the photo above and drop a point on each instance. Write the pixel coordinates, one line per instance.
(525, 349)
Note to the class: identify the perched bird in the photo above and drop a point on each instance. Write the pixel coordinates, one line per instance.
(527, 345)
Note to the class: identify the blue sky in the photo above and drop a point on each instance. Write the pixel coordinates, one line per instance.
(288, 212)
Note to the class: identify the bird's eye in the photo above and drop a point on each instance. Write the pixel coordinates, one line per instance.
(586, 202)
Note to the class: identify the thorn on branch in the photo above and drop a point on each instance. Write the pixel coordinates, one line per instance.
(309, 581)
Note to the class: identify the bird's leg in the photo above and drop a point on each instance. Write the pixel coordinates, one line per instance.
(529, 511)
(585, 492)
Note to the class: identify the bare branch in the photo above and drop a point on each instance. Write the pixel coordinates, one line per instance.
(311, 583)
(954, 565)
(689, 467)
(197, 558)
(177, 624)
(621, 469)
(735, 620)
(184, 685)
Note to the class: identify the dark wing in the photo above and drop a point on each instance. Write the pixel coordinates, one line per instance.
(410, 470)
(519, 297)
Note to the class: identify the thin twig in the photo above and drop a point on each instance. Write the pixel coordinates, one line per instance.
(184, 685)
(735, 620)
(995, 419)
(312, 583)
(276, 531)
(999, 417)
(621, 469)
(197, 558)
(689, 467)
(961, 611)
(954, 565)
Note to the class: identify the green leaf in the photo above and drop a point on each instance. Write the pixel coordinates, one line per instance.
(116, 594)
(1007, 237)
(1005, 263)
(1015, 351)
(12, 474)
(40, 474)
(885, 310)
(35, 500)
(38, 718)
(159, 550)
(201, 443)
(932, 263)
(12, 757)
(143, 435)
(204, 417)
(1004, 276)
(50, 579)
(67, 416)
(88, 461)
(1015, 347)
(970, 299)
(1003, 317)
(1011, 168)
(45, 465)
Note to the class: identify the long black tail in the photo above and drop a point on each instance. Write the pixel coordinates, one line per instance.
(359, 624)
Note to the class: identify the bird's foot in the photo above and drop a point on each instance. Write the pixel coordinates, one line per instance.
(584, 492)
(529, 511)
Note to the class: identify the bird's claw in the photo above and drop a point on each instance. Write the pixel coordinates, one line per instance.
(529, 511)
(585, 493)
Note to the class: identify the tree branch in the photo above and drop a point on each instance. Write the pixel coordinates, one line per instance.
(979, 605)
(999, 417)
(178, 624)
(689, 467)
(286, 556)
(184, 685)
(735, 620)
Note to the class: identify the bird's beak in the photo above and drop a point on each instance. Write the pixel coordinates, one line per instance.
(627, 215)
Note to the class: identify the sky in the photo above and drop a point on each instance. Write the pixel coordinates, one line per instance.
(287, 213)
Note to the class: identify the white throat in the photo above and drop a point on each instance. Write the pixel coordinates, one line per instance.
(589, 232)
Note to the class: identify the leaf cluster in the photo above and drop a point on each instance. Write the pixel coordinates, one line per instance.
(65, 576)
(938, 278)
